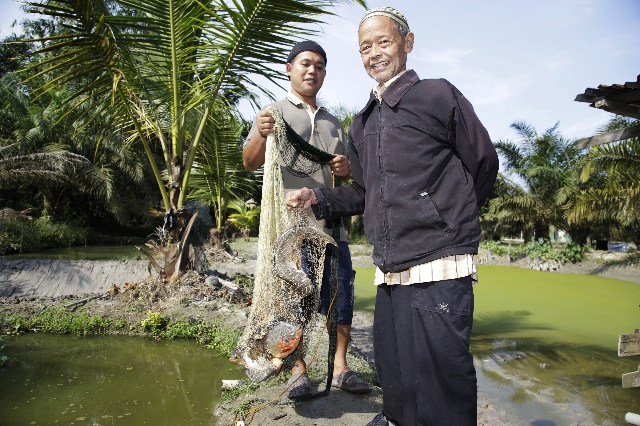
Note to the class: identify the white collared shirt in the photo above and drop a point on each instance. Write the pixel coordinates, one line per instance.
(380, 88)
(312, 114)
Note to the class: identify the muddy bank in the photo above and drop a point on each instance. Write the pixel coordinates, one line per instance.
(54, 278)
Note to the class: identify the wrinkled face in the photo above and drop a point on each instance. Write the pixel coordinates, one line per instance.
(307, 72)
(382, 48)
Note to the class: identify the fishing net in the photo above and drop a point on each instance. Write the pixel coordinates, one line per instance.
(299, 157)
(288, 274)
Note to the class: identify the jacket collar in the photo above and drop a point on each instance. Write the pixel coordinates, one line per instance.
(394, 93)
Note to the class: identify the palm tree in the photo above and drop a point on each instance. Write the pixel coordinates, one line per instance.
(245, 218)
(542, 174)
(613, 170)
(159, 68)
(19, 168)
(42, 126)
(219, 177)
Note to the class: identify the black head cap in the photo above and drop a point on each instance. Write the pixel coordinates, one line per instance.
(306, 46)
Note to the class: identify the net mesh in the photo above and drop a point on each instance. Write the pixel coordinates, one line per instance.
(288, 275)
(300, 157)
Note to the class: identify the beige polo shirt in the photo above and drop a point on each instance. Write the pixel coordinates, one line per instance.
(320, 129)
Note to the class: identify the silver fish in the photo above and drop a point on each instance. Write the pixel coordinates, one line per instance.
(286, 256)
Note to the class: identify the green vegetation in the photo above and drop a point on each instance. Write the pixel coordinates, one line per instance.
(616, 199)
(166, 77)
(58, 320)
(544, 250)
(549, 166)
(245, 218)
(495, 247)
(154, 322)
(39, 234)
(549, 184)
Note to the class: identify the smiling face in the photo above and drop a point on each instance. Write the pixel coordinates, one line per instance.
(307, 72)
(382, 48)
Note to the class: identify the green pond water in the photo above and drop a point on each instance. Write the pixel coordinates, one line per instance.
(114, 380)
(568, 321)
(97, 252)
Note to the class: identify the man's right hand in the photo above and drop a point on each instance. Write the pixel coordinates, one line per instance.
(301, 199)
(254, 151)
(265, 123)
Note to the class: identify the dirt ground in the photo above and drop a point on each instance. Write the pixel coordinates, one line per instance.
(29, 287)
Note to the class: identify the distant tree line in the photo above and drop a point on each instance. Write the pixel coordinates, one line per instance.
(547, 183)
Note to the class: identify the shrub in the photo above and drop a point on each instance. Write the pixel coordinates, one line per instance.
(54, 235)
(154, 322)
(494, 247)
(38, 234)
(544, 250)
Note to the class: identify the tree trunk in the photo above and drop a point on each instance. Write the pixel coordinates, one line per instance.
(579, 233)
(540, 230)
(217, 240)
(177, 255)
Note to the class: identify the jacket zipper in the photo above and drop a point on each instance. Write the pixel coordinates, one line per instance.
(383, 216)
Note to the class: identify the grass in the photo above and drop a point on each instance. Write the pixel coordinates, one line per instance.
(217, 335)
(541, 307)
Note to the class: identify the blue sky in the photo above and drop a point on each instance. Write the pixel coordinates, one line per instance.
(514, 60)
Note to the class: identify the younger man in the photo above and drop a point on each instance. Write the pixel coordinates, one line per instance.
(306, 68)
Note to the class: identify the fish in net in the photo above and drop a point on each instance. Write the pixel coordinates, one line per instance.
(289, 265)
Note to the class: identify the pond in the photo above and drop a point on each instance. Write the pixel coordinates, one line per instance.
(114, 380)
(97, 252)
(570, 322)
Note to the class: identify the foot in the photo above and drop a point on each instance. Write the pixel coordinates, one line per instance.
(349, 382)
(378, 420)
(300, 385)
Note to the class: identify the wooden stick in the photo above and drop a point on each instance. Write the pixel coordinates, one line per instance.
(80, 302)
(152, 260)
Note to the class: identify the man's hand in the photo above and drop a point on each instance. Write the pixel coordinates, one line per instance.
(265, 123)
(340, 165)
(301, 199)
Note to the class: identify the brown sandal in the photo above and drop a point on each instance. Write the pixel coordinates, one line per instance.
(301, 387)
(351, 383)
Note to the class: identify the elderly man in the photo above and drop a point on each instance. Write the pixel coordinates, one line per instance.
(306, 68)
(422, 164)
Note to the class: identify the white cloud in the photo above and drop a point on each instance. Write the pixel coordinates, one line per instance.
(585, 128)
(483, 88)
(450, 56)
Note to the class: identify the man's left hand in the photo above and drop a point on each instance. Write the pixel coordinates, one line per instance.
(340, 165)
